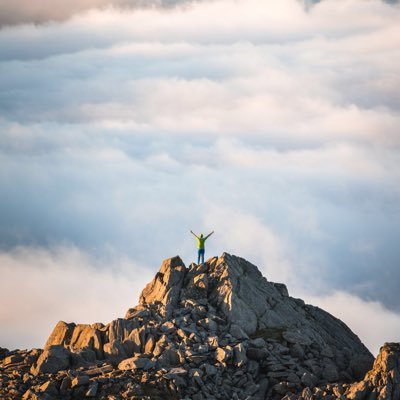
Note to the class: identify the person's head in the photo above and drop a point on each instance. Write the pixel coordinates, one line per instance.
(201, 235)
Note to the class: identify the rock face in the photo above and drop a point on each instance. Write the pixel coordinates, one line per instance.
(218, 330)
(166, 286)
(383, 381)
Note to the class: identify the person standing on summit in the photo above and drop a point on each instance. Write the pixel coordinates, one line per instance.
(200, 245)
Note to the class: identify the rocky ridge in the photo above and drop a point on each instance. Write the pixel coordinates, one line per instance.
(214, 331)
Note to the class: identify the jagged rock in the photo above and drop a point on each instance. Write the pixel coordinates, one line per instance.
(210, 370)
(309, 380)
(383, 381)
(61, 334)
(174, 373)
(254, 353)
(306, 394)
(136, 339)
(136, 363)
(239, 353)
(149, 345)
(330, 373)
(14, 358)
(49, 388)
(169, 358)
(3, 352)
(237, 332)
(65, 385)
(297, 351)
(92, 390)
(359, 366)
(297, 337)
(114, 351)
(212, 342)
(166, 285)
(52, 360)
(80, 380)
(222, 355)
(76, 337)
(258, 343)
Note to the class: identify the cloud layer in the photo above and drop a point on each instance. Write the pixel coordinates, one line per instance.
(52, 285)
(44, 11)
(276, 126)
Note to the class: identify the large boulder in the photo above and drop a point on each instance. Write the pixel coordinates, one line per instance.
(52, 360)
(166, 286)
(245, 298)
(382, 382)
(77, 337)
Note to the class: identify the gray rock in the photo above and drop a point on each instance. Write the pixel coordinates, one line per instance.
(360, 365)
(222, 355)
(169, 358)
(293, 378)
(262, 389)
(309, 380)
(253, 367)
(14, 358)
(212, 342)
(92, 390)
(297, 337)
(307, 394)
(210, 370)
(239, 355)
(327, 352)
(177, 371)
(135, 340)
(168, 327)
(237, 332)
(382, 382)
(149, 345)
(330, 373)
(297, 351)
(208, 324)
(256, 354)
(280, 388)
(77, 337)
(3, 353)
(50, 388)
(80, 380)
(114, 351)
(65, 385)
(166, 285)
(282, 289)
(136, 363)
(259, 343)
(52, 360)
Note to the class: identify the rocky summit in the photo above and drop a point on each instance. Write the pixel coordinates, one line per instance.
(218, 330)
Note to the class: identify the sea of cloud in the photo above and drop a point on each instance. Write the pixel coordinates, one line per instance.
(123, 128)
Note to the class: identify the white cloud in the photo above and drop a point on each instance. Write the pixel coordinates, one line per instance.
(39, 287)
(257, 242)
(373, 323)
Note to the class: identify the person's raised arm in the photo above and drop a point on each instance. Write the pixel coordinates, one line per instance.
(194, 234)
(209, 234)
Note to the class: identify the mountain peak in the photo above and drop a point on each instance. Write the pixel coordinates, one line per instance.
(215, 330)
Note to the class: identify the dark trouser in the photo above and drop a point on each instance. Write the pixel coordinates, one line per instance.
(200, 255)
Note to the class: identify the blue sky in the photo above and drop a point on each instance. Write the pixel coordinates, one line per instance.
(123, 127)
